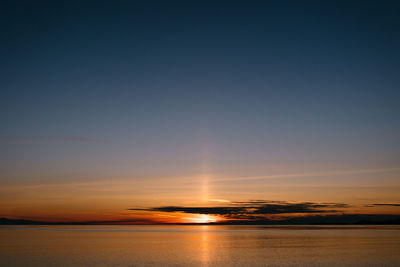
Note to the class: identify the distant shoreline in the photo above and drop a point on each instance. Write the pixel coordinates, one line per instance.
(392, 221)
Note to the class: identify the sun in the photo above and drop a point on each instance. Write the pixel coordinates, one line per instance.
(203, 218)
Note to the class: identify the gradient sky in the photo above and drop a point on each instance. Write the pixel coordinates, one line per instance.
(110, 105)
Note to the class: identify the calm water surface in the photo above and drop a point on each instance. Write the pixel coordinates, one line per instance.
(199, 246)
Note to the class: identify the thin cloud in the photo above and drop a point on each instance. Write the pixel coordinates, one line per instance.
(309, 174)
(81, 139)
(387, 204)
(50, 140)
(6, 221)
(218, 200)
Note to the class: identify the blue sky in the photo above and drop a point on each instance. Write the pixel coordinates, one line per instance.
(116, 90)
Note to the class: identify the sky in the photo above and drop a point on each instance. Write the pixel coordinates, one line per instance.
(121, 110)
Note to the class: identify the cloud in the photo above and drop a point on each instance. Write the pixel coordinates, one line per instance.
(218, 200)
(387, 204)
(310, 174)
(253, 209)
(49, 140)
(198, 210)
(7, 221)
(345, 219)
(80, 139)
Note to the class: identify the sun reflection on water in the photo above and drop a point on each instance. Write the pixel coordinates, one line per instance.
(205, 253)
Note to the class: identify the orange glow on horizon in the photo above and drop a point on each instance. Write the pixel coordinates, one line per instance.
(203, 218)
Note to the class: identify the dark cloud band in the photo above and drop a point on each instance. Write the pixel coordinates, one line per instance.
(254, 208)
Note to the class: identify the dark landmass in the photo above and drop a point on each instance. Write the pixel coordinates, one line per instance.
(344, 219)
(5, 221)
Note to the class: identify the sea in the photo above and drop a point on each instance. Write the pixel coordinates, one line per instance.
(199, 245)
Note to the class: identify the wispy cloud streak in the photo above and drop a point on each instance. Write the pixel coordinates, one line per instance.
(310, 174)
(387, 204)
(49, 140)
(80, 139)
